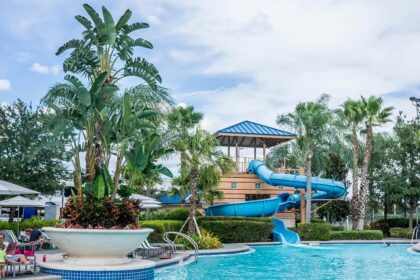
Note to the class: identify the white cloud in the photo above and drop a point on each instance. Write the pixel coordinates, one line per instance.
(5, 85)
(43, 69)
(293, 51)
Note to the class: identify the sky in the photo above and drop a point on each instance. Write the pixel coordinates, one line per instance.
(234, 60)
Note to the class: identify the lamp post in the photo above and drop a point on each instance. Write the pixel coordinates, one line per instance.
(416, 102)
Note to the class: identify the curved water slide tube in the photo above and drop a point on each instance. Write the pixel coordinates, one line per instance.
(326, 189)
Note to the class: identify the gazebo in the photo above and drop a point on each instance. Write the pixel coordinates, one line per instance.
(249, 134)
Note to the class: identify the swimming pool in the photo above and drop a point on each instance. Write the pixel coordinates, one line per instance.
(321, 262)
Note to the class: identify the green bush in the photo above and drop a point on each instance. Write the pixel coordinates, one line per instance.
(159, 227)
(180, 214)
(206, 241)
(400, 232)
(154, 215)
(30, 223)
(225, 218)
(337, 228)
(357, 235)
(314, 231)
(386, 225)
(238, 230)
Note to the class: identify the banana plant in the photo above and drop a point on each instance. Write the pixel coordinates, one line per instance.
(105, 45)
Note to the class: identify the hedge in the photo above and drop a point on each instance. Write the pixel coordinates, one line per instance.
(386, 225)
(357, 235)
(314, 231)
(159, 227)
(31, 223)
(238, 230)
(399, 232)
(337, 228)
(226, 218)
(180, 214)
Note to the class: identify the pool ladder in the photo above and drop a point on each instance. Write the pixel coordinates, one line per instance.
(172, 244)
(415, 234)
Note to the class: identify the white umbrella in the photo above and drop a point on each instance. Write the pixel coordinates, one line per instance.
(20, 201)
(7, 188)
(144, 198)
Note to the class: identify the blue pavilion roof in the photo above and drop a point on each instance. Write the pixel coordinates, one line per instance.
(248, 127)
(250, 134)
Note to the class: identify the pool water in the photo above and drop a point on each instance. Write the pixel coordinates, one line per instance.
(320, 262)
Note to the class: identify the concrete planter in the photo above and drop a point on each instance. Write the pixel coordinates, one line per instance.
(97, 246)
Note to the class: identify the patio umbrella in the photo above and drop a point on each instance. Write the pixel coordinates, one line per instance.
(144, 198)
(7, 188)
(20, 201)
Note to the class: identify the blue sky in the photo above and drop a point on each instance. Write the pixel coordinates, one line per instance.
(234, 60)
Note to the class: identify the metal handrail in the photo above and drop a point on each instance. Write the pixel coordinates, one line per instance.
(172, 244)
(415, 233)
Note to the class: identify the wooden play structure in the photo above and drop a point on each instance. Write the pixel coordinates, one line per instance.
(240, 186)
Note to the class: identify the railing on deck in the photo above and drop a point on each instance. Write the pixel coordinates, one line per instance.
(243, 162)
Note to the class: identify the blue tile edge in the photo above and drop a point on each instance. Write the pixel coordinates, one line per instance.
(132, 274)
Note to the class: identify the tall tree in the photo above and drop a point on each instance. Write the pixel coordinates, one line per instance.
(374, 115)
(407, 156)
(104, 55)
(29, 154)
(353, 115)
(383, 182)
(201, 154)
(316, 130)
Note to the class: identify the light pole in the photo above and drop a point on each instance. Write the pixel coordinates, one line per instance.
(416, 102)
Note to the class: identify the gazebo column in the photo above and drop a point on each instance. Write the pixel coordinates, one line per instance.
(255, 148)
(228, 138)
(264, 146)
(237, 154)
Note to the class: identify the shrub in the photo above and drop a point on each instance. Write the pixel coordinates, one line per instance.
(159, 227)
(226, 218)
(100, 214)
(30, 223)
(337, 228)
(154, 215)
(400, 232)
(386, 225)
(206, 241)
(314, 231)
(238, 230)
(357, 235)
(180, 214)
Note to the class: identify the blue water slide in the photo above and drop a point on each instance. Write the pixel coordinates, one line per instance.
(253, 208)
(325, 189)
(282, 234)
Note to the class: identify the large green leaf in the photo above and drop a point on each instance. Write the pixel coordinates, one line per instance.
(127, 29)
(99, 187)
(142, 43)
(110, 32)
(98, 83)
(72, 44)
(84, 21)
(123, 20)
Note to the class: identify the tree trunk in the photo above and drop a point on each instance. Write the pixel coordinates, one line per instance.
(308, 194)
(355, 178)
(148, 194)
(193, 201)
(411, 216)
(385, 212)
(361, 206)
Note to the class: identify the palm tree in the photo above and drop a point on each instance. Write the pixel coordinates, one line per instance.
(107, 46)
(200, 151)
(374, 115)
(316, 129)
(353, 115)
(105, 54)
